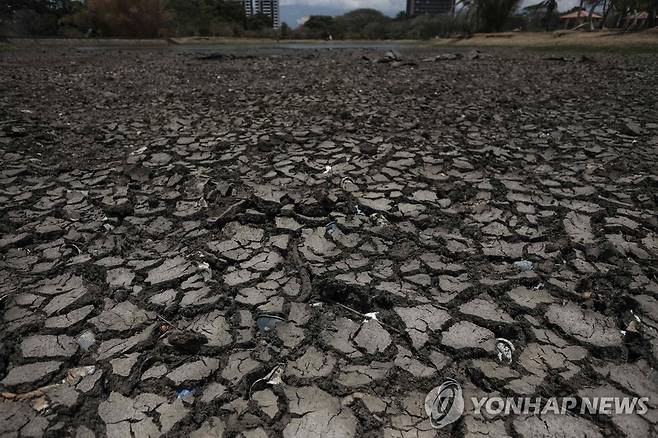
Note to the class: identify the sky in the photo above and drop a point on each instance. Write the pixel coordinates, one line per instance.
(295, 12)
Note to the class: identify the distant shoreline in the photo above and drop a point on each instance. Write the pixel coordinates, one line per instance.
(557, 39)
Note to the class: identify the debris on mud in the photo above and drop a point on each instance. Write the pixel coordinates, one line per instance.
(268, 322)
(186, 341)
(272, 378)
(504, 351)
(444, 57)
(576, 59)
(86, 340)
(523, 265)
(299, 243)
(391, 57)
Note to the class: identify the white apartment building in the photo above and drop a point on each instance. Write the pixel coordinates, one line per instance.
(266, 7)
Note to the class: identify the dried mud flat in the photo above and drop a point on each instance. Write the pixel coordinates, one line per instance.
(156, 206)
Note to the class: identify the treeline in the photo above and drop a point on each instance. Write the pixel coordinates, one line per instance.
(483, 16)
(372, 24)
(471, 16)
(172, 18)
(129, 18)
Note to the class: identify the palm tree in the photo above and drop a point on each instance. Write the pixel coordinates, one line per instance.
(551, 8)
(489, 15)
(593, 4)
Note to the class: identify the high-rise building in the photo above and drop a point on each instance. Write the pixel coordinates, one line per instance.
(265, 7)
(432, 7)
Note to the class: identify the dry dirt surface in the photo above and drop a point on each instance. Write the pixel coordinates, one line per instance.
(305, 243)
(646, 40)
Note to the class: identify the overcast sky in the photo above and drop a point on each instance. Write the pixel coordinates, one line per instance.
(293, 12)
(382, 5)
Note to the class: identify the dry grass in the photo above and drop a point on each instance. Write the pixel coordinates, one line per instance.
(559, 39)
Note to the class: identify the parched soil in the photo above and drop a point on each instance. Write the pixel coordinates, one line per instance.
(609, 39)
(304, 243)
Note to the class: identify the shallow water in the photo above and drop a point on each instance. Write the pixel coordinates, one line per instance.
(281, 48)
(297, 45)
(273, 46)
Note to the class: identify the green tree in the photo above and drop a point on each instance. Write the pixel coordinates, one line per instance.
(491, 15)
(205, 17)
(356, 23)
(375, 31)
(258, 22)
(185, 19)
(319, 26)
(284, 31)
(123, 18)
(401, 16)
(545, 12)
(34, 17)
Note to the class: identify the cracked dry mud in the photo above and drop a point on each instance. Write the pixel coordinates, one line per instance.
(208, 221)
